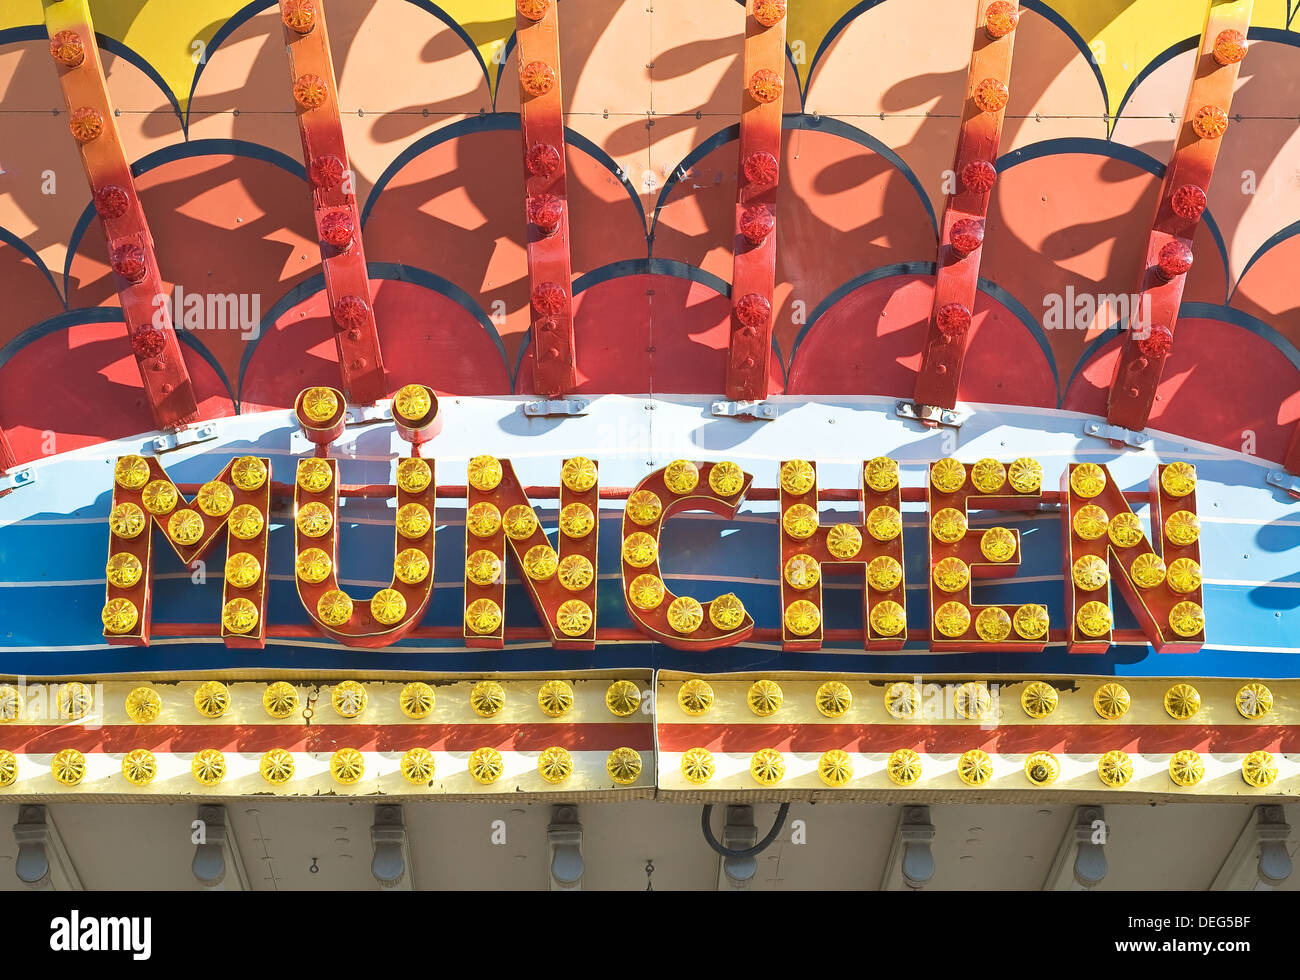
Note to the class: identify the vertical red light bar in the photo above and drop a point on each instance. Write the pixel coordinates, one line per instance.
(1182, 201)
(311, 68)
(754, 266)
(537, 32)
(962, 233)
(157, 352)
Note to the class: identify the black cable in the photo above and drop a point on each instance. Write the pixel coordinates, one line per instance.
(750, 852)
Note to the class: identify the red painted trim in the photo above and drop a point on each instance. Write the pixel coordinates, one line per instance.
(958, 276)
(360, 359)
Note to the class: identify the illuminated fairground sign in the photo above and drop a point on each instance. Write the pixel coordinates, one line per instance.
(1104, 541)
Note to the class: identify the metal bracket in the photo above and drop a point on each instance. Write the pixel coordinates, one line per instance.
(1276, 478)
(366, 414)
(763, 411)
(17, 478)
(391, 864)
(1115, 433)
(563, 406)
(168, 441)
(930, 414)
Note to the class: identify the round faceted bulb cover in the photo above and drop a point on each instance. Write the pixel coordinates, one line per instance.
(993, 624)
(131, 472)
(487, 698)
(884, 573)
(310, 91)
(949, 525)
(549, 298)
(952, 319)
(646, 591)
(334, 607)
(1254, 700)
(313, 565)
(414, 475)
(75, 700)
(418, 766)
(1259, 769)
(754, 310)
(1182, 527)
(1188, 201)
(695, 696)
(727, 612)
(412, 402)
(1230, 47)
(844, 541)
(888, 618)
(802, 571)
(882, 474)
(483, 616)
(991, 95)
(326, 171)
(315, 475)
(681, 476)
(1210, 122)
(111, 201)
(319, 404)
(86, 123)
(66, 48)
(1087, 479)
(542, 160)
(1026, 475)
(1041, 768)
(764, 698)
(574, 617)
(802, 618)
(417, 699)
(533, 9)
(576, 572)
(126, 520)
(554, 764)
(579, 474)
(546, 211)
(624, 766)
(411, 566)
(143, 705)
(769, 12)
(948, 475)
(555, 698)
(979, 176)
(299, 16)
(68, 767)
(1184, 575)
(1115, 768)
(622, 698)
(1039, 699)
(972, 700)
(239, 615)
(1175, 259)
(1090, 573)
(1178, 479)
(952, 619)
(800, 521)
(834, 699)
(245, 522)
(1031, 621)
(756, 223)
(215, 498)
(130, 263)
(519, 522)
(1187, 619)
(975, 768)
(1158, 342)
(314, 519)
(1182, 701)
(760, 168)
(1186, 768)
(119, 616)
(485, 765)
(280, 699)
(903, 767)
(697, 765)
(124, 569)
(338, 227)
(902, 699)
(767, 767)
(1001, 18)
(998, 544)
(248, 473)
(139, 766)
(640, 549)
(576, 520)
(541, 562)
(835, 767)
(726, 479)
(185, 526)
(212, 699)
(765, 85)
(1111, 701)
(644, 507)
(884, 523)
(967, 235)
(1090, 522)
(1125, 530)
(347, 766)
(951, 574)
(483, 519)
(1148, 570)
(798, 476)
(388, 606)
(988, 475)
(537, 77)
(1094, 619)
(685, 614)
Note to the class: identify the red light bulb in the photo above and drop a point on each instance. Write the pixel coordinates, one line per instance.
(1188, 201)
(967, 235)
(337, 228)
(953, 320)
(761, 168)
(765, 85)
(147, 342)
(542, 160)
(537, 77)
(67, 49)
(1230, 47)
(1001, 19)
(546, 211)
(1210, 122)
(86, 124)
(1157, 343)
(1175, 259)
(326, 171)
(111, 201)
(991, 95)
(549, 298)
(979, 176)
(351, 312)
(756, 223)
(129, 262)
(309, 91)
(769, 12)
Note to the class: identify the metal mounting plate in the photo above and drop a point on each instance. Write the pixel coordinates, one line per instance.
(1116, 433)
(168, 441)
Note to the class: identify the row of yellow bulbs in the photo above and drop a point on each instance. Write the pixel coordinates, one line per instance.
(974, 768)
(347, 766)
(972, 699)
(348, 698)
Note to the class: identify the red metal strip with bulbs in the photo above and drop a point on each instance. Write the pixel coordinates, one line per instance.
(754, 245)
(347, 283)
(537, 32)
(962, 232)
(157, 351)
(1182, 201)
